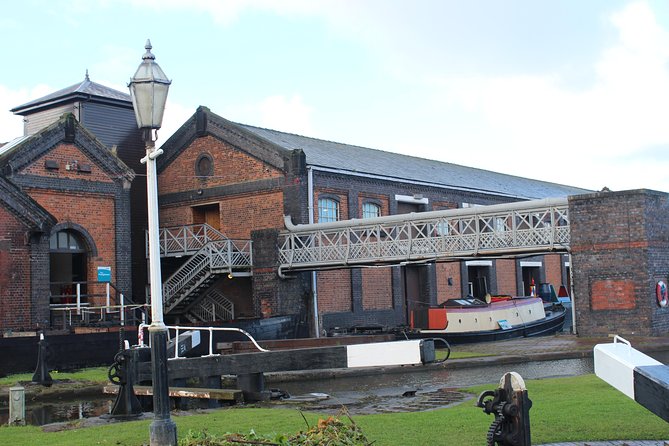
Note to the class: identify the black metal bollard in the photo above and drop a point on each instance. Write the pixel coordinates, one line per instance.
(41, 375)
(127, 404)
(511, 407)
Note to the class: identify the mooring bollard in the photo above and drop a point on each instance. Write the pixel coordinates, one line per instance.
(511, 407)
(17, 405)
(42, 375)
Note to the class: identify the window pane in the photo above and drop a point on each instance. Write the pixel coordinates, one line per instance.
(62, 240)
(328, 210)
(371, 210)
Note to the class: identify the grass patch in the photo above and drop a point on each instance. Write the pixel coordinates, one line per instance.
(441, 354)
(565, 409)
(93, 374)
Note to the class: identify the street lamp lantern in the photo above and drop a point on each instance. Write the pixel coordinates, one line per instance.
(148, 89)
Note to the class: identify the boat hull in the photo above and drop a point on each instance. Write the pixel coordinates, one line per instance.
(551, 324)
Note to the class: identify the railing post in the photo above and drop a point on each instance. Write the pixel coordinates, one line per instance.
(176, 343)
(78, 299)
(107, 286)
(122, 310)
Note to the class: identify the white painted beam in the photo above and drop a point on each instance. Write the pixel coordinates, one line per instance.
(615, 364)
(384, 354)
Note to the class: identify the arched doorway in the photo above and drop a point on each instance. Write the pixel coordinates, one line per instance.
(68, 262)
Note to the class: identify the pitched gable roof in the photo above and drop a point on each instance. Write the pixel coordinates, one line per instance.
(24, 150)
(395, 166)
(86, 89)
(204, 122)
(25, 208)
(273, 145)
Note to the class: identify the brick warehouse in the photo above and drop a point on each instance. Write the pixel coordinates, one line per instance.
(241, 180)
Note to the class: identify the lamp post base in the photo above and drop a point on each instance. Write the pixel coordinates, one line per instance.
(162, 431)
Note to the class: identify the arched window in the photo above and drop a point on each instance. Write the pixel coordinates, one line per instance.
(370, 210)
(66, 241)
(328, 210)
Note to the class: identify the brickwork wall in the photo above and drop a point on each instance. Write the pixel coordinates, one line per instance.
(96, 214)
(15, 275)
(444, 290)
(65, 155)
(377, 288)
(241, 214)
(230, 166)
(620, 248)
(334, 291)
(175, 216)
(506, 277)
(553, 269)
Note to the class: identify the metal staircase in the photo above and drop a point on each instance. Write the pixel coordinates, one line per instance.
(212, 307)
(211, 254)
(183, 288)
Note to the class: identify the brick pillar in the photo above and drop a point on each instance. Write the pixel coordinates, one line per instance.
(620, 249)
(273, 296)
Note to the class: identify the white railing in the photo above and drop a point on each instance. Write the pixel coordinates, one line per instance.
(185, 240)
(76, 309)
(214, 306)
(530, 226)
(231, 256)
(178, 329)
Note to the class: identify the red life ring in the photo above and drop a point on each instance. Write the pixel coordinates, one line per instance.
(661, 294)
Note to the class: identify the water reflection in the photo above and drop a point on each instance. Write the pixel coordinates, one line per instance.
(61, 411)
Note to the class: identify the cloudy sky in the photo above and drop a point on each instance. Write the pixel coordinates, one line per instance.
(569, 91)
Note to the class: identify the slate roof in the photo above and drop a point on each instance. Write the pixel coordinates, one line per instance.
(394, 166)
(84, 90)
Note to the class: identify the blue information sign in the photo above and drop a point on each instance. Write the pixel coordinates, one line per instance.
(104, 273)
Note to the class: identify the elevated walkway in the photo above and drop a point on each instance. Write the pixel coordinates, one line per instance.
(513, 228)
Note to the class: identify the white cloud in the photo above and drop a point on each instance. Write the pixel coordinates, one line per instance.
(11, 126)
(288, 114)
(226, 11)
(584, 137)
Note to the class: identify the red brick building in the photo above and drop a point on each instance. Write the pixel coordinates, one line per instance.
(242, 180)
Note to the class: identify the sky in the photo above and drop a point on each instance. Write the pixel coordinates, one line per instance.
(568, 91)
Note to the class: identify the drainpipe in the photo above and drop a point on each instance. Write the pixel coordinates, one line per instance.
(314, 283)
(571, 292)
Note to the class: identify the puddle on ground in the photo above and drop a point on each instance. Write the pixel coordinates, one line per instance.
(407, 401)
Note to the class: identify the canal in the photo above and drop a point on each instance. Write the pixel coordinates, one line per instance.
(417, 388)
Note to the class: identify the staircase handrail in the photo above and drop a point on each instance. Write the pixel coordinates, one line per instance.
(186, 239)
(221, 255)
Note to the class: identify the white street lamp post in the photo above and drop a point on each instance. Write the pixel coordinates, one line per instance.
(148, 89)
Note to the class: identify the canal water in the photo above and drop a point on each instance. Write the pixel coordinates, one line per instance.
(417, 389)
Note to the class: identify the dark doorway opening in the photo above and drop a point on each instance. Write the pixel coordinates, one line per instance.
(531, 275)
(479, 278)
(209, 214)
(68, 266)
